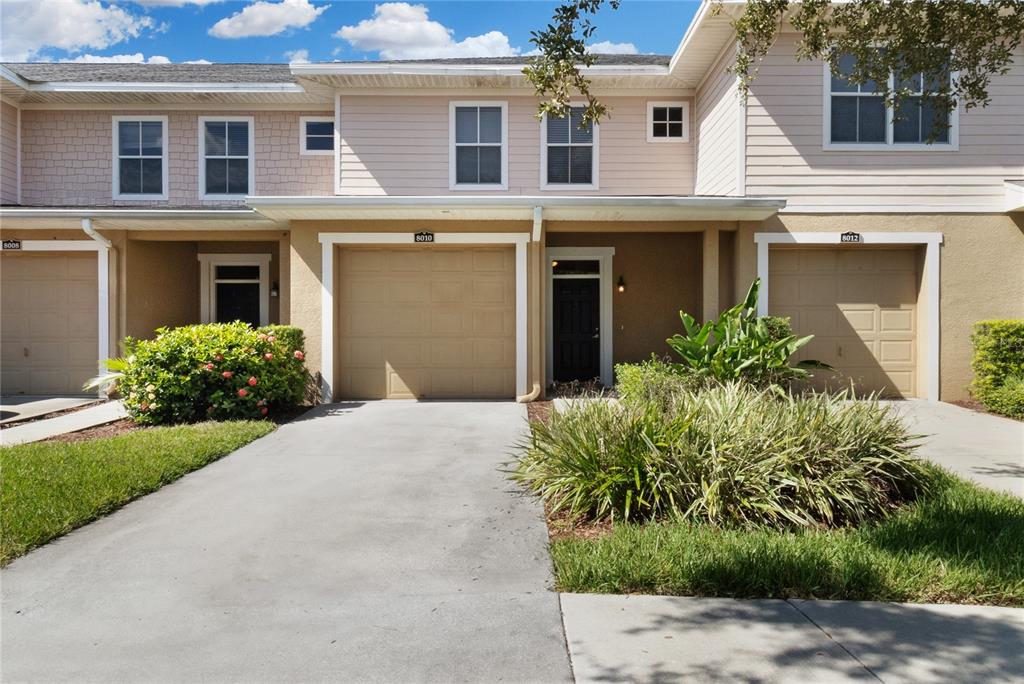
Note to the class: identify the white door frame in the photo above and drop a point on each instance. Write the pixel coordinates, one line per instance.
(603, 256)
(931, 273)
(208, 264)
(328, 241)
(102, 285)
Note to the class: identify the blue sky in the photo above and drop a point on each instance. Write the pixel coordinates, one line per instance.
(285, 30)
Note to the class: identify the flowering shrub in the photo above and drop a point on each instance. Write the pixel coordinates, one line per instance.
(216, 371)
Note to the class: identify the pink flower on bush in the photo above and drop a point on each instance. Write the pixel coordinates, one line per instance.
(218, 357)
(264, 411)
(143, 406)
(243, 392)
(252, 381)
(209, 409)
(227, 374)
(299, 355)
(268, 356)
(209, 366)
(271, 338)
(263, 336)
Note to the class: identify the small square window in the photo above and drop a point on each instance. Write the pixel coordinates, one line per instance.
(668, 121)
(316, 135)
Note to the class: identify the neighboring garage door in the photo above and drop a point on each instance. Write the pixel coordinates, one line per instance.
(860, 303)
(426, 322)
(47, 323)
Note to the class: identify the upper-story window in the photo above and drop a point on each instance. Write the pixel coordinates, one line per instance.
(478, 146)
(857, 117)
(569, 152)
(668, 121)
(316, 135)
(225, 159)
(140, 157)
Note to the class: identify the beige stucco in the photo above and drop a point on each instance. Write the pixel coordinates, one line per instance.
(980, 271)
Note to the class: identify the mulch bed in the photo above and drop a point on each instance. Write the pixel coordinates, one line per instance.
(539, 410)
(975, 405)
(118, 427)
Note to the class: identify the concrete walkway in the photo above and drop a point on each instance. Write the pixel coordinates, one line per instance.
(82, 419)
(24, 406)
(978, 446)
(667, 639)
(369, 543)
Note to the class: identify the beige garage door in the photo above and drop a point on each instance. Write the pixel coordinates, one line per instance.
(47, 323)
(426, 322)
(860, 303)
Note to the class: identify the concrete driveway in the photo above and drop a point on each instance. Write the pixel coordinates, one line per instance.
(978, 446)
(374, 542)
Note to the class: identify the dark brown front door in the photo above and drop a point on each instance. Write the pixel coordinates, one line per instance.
(576, 329)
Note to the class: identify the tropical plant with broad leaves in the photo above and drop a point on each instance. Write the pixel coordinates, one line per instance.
(739, 344)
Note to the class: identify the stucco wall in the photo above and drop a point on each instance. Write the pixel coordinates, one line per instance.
(662, 272)
(67, 158)
(8, 154)
(980, 270)
(399, 146)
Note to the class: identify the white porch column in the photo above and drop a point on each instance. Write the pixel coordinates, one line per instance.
(326, 322)
(522, 344)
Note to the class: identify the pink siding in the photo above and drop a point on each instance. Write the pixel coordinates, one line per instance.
(67, 157)
(395, 145)
(785, 155)
(8, 154)
(718, 111)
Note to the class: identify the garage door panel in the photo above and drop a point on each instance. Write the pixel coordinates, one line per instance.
(441, 319)
(49, 303)
(861, 305)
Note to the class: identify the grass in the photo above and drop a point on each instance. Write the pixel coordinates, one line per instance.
(49, 488)
(959, 543)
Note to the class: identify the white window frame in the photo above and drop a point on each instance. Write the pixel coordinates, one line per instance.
(203, 195)
(826, 128)
(686, 121)
(208, 280)
(303, 120)
(596, 157)
(116, 171)
(603, 256)
(452, 144)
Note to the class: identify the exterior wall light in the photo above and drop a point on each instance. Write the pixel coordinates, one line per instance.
(554, 262)
(274, 290)
(622, 284)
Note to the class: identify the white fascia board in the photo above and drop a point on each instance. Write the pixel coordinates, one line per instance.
(1014, 195)
(118, 87)
(691, 31)
(327, 201)
(14, 78)
(170, 214)
(437, 69)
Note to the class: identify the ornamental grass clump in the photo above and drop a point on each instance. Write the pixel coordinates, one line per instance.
(730, 455)
(220, 371)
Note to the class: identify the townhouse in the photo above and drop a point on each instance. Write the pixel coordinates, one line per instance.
(434, 239)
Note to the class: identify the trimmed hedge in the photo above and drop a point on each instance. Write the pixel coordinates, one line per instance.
(219, 371)
(999, 366)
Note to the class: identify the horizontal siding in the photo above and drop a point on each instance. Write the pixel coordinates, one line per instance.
(67, 157)
(785, 155)
(718, 110)
(394, 145)
(8, 154)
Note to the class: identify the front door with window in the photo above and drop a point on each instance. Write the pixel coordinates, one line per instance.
(235, 287)
(576, 329)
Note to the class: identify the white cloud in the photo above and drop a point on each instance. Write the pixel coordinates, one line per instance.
(297, 56)
(137, 58)
(173, 3)
(263, 18)
(606, 47)
(198, 61)
(399, 30)
(29, 26)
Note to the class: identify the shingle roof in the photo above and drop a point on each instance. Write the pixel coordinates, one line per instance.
(246, 73)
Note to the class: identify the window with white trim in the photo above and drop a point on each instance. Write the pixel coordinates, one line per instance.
(859, 117)
(477, 154)
(316, 134)
(569, 151)
(140, 157)
(668, 121)
(226, 159)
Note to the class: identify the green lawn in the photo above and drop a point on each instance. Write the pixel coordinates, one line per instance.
(48, 489)
(959, 544)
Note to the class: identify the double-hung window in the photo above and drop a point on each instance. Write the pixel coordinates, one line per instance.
(857, 117)
(226, 159)
(140, 157)
(569, 152)
(316, 135)
(478, 148)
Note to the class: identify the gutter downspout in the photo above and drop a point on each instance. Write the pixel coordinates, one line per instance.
(538, 222)
(103, 294)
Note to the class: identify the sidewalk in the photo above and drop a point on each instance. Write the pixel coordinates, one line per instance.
(658, 639)
(106, 412)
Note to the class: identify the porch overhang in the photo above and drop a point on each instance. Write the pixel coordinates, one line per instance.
(520, 207)
(1014, 195)
(130, 218)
